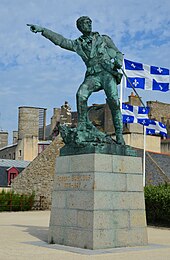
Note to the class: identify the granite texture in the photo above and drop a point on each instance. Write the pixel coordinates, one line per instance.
(98, 202)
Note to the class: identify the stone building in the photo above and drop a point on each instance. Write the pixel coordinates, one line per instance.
(3, 139)
(165, 146)
(101, 117)
(61, 115)
(9, 169)
(161, 112)
(39, 175)
(31, 130)
(33, 136)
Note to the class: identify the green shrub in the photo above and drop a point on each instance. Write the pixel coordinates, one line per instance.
(157, 200)
(10, 201)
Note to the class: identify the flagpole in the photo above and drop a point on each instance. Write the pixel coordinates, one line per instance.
(144, 155)
(132, 87)
(121, 87)
(144, 129)
(121, 94)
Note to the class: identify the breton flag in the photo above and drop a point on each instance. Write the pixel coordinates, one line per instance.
(134, 114)
(146, 77)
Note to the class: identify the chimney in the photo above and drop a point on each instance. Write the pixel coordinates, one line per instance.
(134, 100)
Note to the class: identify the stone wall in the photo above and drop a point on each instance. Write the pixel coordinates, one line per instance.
(159, 110)
(3, 139)
(136, 140)
(55, 118)
(98, 202)
(28, 122)
(8, 152)
(27, 148)
(165, 146)
(38, 176)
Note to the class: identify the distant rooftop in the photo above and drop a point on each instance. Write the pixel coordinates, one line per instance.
(45, 142)
(15, 163)
(8, 146)
(32, 107)
(160, 102)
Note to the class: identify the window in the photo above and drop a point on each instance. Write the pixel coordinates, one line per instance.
(12, 176)
(12, 172)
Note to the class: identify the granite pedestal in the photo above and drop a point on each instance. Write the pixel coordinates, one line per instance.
(98, 202)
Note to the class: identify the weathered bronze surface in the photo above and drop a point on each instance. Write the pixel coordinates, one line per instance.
(103, 60)
(90, 140)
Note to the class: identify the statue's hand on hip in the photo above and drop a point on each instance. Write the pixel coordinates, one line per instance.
(117, 65)
(35, 28)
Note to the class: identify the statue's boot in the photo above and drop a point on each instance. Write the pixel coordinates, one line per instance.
(118, 127)
(83, 121)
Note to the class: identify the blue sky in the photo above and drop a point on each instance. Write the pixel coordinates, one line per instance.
(35, 72)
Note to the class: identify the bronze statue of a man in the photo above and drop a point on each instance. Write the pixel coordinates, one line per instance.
(97, 51)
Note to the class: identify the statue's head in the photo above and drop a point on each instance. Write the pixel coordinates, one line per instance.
(84, 24)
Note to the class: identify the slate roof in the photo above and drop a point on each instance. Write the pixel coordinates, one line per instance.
(157, 167)
(163, 161)
(8, 146)
(15, 163)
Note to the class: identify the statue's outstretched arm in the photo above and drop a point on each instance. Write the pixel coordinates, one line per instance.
(35, 28)
(54, 37)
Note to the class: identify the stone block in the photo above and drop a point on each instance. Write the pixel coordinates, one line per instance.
(85, 219)
(74, 181)
(110, 182)
(137, 218)
(80, 200)
(103, 238)
(136, 200)
(71, 236)
(63, 217)
(127, 164)
(56, 235)
(98, 202)
(111, 219)
(103, 163)
(134, 182)
(121, 218)
(82, 163)
(79, 238)
(131, 237)
(105, 200)
(58, 199)
(62, 164)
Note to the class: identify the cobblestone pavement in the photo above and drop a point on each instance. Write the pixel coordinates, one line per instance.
(23, 235)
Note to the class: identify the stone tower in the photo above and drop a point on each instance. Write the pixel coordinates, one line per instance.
(3, 139)
(31, 129)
